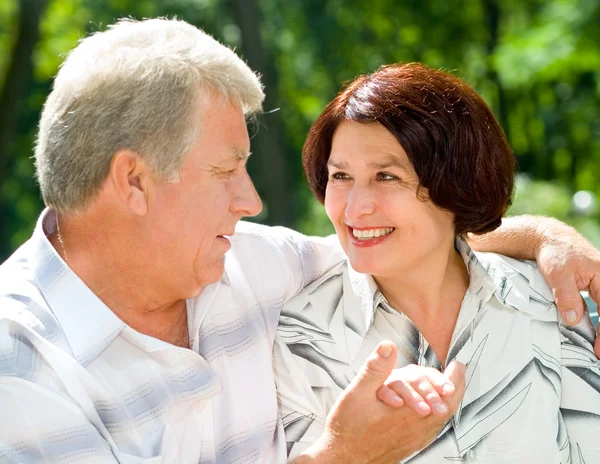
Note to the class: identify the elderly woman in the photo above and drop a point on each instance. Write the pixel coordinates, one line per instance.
(407, 161)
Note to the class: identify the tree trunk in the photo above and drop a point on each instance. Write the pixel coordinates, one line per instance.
(18, 78)
(492, 18)
(273, 177)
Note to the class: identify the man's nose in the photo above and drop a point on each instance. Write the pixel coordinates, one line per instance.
(246, 201)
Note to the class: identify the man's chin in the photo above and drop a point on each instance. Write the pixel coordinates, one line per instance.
(211, 276)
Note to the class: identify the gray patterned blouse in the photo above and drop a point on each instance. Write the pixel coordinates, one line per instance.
(533, 385)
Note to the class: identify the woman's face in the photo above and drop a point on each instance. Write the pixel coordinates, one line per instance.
(371, 201)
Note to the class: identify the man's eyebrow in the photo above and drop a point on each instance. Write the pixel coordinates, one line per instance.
(241, 155)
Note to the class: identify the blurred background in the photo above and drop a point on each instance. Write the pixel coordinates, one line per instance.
(536, 62)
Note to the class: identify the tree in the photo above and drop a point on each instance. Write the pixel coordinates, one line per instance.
(14, 89)
(274, 180)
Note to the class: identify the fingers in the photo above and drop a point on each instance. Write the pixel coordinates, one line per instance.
(421, 397)
(389, 397)
(568, 300)
(455, 372)
(443, 385)
(376, 368)
(594, 290)
(423, 389)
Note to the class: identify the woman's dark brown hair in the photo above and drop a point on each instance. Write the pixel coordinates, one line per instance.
(450, 135)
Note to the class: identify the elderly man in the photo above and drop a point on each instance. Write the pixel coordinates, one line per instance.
(125, 336)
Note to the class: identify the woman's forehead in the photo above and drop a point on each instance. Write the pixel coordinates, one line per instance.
(368, 141)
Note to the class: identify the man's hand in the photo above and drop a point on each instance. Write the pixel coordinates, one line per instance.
(570, 264)
(363, 429)
(567, 260)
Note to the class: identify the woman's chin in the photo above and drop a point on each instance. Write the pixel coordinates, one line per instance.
(363, 267)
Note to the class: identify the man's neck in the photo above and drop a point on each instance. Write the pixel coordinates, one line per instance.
(106, 268)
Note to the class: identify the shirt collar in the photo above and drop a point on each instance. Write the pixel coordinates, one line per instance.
(492, 278)
(494, 275)
(88, 324)
(366, 291)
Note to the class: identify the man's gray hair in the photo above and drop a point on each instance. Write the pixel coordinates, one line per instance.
(134, 86)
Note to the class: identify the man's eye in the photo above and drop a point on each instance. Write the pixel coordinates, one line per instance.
(384, 176)
(227, 172)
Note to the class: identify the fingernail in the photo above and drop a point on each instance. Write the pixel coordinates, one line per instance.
(440, 408)
(424, 406)
(447, 389)
(570, 316)
(397, 399)
(384, 350)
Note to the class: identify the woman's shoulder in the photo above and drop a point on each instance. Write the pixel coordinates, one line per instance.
(519, 285)
(507, 270)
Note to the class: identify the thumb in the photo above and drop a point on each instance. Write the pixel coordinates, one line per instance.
(568, 301)
(376, 368)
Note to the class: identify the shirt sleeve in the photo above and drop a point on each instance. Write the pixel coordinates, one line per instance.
(309, 257)
(286, 259)
(45, 426)
(580, 397)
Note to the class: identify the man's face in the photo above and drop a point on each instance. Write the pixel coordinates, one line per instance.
(192, 218)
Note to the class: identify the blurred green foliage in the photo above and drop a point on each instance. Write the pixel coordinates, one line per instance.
(537, 63)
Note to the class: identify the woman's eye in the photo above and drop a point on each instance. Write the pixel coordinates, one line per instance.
(384, 176)
(338, 176)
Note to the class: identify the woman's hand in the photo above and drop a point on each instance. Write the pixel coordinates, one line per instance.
(362, 429)
(424, 389)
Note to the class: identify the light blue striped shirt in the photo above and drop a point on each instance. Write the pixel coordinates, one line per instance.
(79, 385)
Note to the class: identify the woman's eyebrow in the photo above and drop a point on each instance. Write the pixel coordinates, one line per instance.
(392, 161)
(337, 164)
(387, 164)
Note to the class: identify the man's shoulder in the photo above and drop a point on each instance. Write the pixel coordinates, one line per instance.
(278, 260)
(245, 230)
(273, 235)
(24, 312)
(279, 243)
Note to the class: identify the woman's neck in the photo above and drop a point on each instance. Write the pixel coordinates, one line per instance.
(430, 295)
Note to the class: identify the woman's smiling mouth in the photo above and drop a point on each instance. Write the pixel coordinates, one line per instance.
(369, 236)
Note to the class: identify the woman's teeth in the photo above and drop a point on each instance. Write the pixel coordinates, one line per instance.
(367, 234)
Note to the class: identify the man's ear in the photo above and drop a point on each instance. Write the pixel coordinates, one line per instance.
(130, 176)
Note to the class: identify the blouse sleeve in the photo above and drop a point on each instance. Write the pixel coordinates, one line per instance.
(580, 397)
